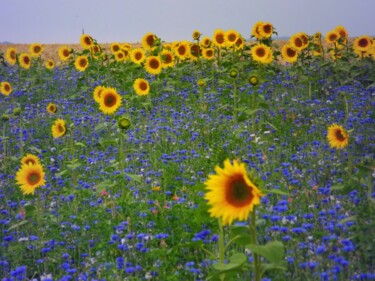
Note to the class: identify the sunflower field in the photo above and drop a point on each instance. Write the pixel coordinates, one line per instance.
(211, 158)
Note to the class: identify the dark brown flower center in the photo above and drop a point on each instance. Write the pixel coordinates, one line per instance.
(143, 85)
(237, 192)
(110, 100)
(33, 178)
(291, 53)
(339, 135)
(82, 62)
(154, 64)
(260, 52)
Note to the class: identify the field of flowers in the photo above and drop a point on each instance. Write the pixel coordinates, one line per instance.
(213, 158)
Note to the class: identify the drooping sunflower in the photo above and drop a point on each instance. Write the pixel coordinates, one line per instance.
(141, 87)
(5, 88)
(194, 51)
(266, 30)
(36, 49)
(332, 36)
(58, 128)
(231, 193)
(153, 65)
(30, 159)
(110, 101)
(97, 93)
(24, 60)
(219, 38)
(148, 40)
(262, 53)
(64, 53)
(317, 37)
(256, 30)
(196, 35)
(86, 41)
(30, 177)
(206, 42)
(115, 47)
(49, 64)
(11, 55)
(337, 136)
(231, 37)
(51, 108)
(81, 63)
(182, 50)
(289, 54)
(208, 53)
(137, 55)
(362, 43)
(167, 58)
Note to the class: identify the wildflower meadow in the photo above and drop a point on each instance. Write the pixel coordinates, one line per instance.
(211, 158)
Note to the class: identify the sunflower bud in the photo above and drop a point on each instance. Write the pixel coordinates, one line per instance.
(253, 80)
(196, 35)
(5, 117)
(233, 72)
(123, 123)
(17, 111)
(201, 83)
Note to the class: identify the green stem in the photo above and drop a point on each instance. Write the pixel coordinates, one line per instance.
(346, 109)
(21, 138)
(221, 247)
(5, 139)
(253, 236)
(72, 153)
(235, 101)
(121, 152)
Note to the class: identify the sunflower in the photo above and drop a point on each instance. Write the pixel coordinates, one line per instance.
(51, 108)
(256, 30)
(141, 87)
(86, 41)
(137, 55)
(289, 54)
(58, 128)
(219, 38)
(231, 193)
(240, 43)
(115, 47)
(49, 64)
(24, 60)
(97, 93)
(148, 40)
(30, 177)
(167, 58)
(344, 35)
(81, 63)
(317, 37)
(11, 55)
(337, 136)
(194, 51)
(206, 42)
(231, 37)
(110, 101)
(332, 36)
(297, 42)
(317, 50)
(125, 46)
(196, 35)
(5, 88)
(64, 53)
(96, 51)
(36, 49)
(30, 159)
(266, 30)
(262, 53)
(120, 56)
(153, 65)
(362, 43)
(208, 53)
(182, 50)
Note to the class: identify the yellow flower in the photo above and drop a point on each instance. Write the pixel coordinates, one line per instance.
(153, 65)
(64, 53)
(49, 64)
(219, 38)
(256, 30)
(208, 53)
(59, 128)
(262, 53)
(167, 58)
(24, 60)
(206, 42)
(266, 30)
(97, 93)
(332, 36)
(51, 108)
(29, 177)
(30, 159)
(110, 101)
(5, 88)
(299, 41)
(231, 37)
(86, 41)
(337, 136)
(196, 35)
(115, 47)
(141, 87)
(11, 56)
(148, 40)
(231, 193)
(362, 43)
(181, 50)
(81, 63)
(289, 54)
(137, 55)
(36, 49)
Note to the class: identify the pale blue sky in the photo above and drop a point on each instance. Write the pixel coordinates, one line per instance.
(62, 21)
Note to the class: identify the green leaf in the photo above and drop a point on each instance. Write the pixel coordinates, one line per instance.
(337, 187)
(276, 191)
(63, 172)
(351, 218)
(272, 266)
(80, 144)
(273, 251)
(35, 149)
(18, 224)
(235, 261)
(135, 178)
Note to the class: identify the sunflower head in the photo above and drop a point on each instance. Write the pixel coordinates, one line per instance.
(337, 136)
(262, 53)
(59, 128)
(86, 41)
(97, 92)
(36, 49)
(253, 80)
(51, 108)
(30, 159)
(5, 88)
(64, 53)
(196, 35)
(137, 55)
(29, 177)
(219, 38)
(49, 64)
(201, 83)
(110, 101)
(81, 63)
(231, 193)
(11, 56)
(289, 53)
(153, 65)
(149, 41)
(141, 87)
(123, 123)
(24, 60)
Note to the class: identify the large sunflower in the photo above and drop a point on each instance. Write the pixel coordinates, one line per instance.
(29, 177)
(219, 38)
(98, 92)
(81, 63)
(24, 60)
(289, 54)
(231, 37)
(141, 87)
(181, 50)
(11, 55)
(51, 108)
(262, 53)
(362, 43)
(86, 41)
(5, 88)
(337, 136)
(148, 40)
(30, 159)
(58, 128)
(64, 53)
(137, 55)
(297, 42)
(36, 49)
(153, 65)
(167, 58)
(231, 193)
(110, 101)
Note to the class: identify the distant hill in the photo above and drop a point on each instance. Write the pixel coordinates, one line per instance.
(5, 43)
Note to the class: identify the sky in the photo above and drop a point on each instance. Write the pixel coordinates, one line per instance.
(63, 21)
